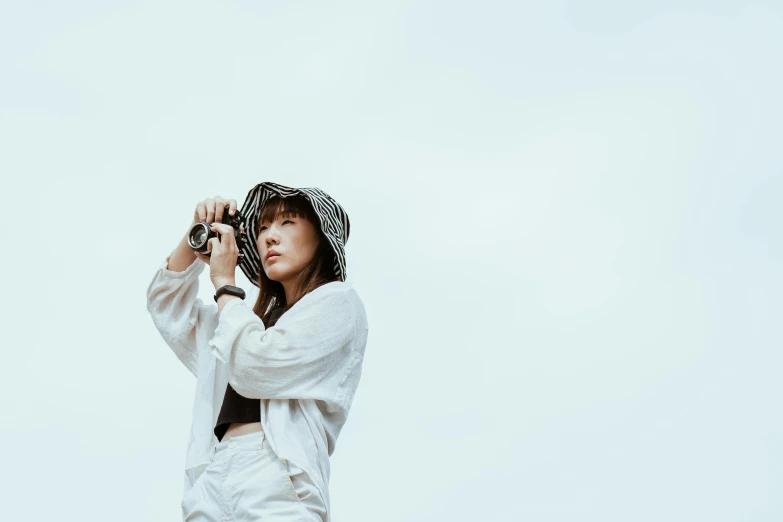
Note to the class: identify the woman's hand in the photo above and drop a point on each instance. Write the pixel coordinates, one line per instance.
(223, 252)
(205, 257)
(210, 211)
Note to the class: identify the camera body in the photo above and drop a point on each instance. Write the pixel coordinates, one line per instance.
(200, 233)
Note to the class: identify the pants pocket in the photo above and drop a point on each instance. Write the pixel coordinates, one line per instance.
(289, 484)
(194, 489)
(258, 488)
(282, 472)
(192, 493)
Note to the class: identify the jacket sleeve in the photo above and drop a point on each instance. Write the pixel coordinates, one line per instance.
(307, 354)
(177, 312)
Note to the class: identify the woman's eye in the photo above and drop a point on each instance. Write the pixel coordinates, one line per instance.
(261, 229)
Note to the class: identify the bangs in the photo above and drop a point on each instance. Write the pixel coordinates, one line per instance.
(292, 206)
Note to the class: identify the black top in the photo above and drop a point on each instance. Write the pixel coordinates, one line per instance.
(237, 408)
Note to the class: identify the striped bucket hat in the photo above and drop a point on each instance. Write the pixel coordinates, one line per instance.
(333, 221)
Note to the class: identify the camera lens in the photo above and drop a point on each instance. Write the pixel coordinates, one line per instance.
(198, 236)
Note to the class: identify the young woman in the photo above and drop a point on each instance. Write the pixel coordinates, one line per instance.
(275, 381)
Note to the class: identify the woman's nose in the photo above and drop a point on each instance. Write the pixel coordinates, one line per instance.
(271, 236)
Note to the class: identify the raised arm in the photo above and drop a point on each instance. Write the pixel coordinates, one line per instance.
(174, 306)
(181, 317)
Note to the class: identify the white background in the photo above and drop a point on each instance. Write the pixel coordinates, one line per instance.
(565, 230)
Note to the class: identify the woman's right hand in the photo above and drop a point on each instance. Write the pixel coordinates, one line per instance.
(211, 211)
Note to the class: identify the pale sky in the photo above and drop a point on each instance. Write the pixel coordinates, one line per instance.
(565, 228)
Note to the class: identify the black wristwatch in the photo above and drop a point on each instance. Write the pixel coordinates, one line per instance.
(231, 290)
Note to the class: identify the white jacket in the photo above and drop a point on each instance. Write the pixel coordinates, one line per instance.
(305, 369)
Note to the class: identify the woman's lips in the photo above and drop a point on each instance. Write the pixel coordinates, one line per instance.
(275, 256)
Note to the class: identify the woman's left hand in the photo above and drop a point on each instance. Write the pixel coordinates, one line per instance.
(223, 256)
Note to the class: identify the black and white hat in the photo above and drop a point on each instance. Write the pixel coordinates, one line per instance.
(333, 221)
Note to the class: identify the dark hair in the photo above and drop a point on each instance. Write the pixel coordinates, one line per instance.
(320, 271)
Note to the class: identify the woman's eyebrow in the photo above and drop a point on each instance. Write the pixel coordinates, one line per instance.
(281, 216)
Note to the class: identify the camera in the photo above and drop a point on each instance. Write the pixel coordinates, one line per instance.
(200, 233)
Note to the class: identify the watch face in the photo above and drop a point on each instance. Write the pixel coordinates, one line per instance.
(234, 290)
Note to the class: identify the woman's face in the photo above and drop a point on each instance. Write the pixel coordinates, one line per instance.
(294, 239)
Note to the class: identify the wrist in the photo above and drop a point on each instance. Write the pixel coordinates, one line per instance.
(219, 283)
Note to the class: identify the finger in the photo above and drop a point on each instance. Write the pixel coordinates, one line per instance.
(210, 204)
(201, 212)
(220, 207)
(222, 228)
(227, 233)
(203, 257)
(232, 207)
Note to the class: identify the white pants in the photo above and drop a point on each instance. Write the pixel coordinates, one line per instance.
(244, 481)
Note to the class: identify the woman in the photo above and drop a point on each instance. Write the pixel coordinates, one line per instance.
(275, 382)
